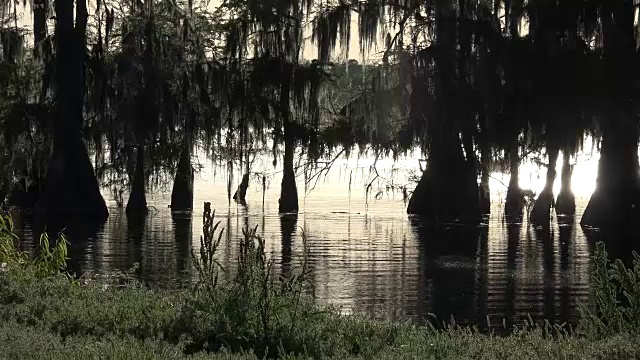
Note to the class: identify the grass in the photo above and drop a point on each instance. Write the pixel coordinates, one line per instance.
(45, 314)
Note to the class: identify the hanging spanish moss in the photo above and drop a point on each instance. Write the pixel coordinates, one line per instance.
(136, 89)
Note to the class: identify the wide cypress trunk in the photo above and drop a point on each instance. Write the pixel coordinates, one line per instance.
(241, 193)
(616, 200)
(446, 193)
(566, 202)
(541, 212)
(448, 189)
(182, 194)
(138, 198)
(514, 203)
(71, 189)
(288, 202)
(146, 119)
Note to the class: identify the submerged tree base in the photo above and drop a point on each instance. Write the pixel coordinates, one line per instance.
(138, 198)
(288, 202)
(616, 200)
(514, 204)
(137, 203)
(566, 203)
(71, 192)
(485, 199)
(182, 194)
(137, 208)
(613, 208)
(541, 212)
(241, 193)
(445, 198)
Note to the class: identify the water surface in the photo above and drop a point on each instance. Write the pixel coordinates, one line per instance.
(368, 255)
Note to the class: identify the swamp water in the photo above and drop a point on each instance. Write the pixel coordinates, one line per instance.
(368, 255)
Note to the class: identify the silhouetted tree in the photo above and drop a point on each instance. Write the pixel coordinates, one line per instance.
(617, 194)
(71, 188)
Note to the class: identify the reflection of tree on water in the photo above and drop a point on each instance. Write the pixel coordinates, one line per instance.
(288, 224)
(548, 283)
(567, 279)
(114, 246)
(567, 236)
(620, 242)
(82, 238)
(528, 279)
(496, 263)
(567, 240)
(183, 230)
(151, 241)
(243, 212)
(514, 232)
(228, 243)
(545, 235)
(314, 261)
(475, 275)
(448, 270)
(481, 295)
(137, 226)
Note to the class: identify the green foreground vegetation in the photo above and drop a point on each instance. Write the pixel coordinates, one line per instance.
(45, 313)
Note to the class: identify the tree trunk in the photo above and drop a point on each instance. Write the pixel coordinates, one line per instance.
(182, 194)
(566, 202)
(288, 202)
(485, 191)
(616, 200)
(470, 177)
(448, 190)
(147, 118)
(441, 196)
(541, 212)
(138, 198)
(287, 229)
(514, 203)
(71, 190)
(40, 8)
(241, 193)
(485, 163)
(465, 114)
